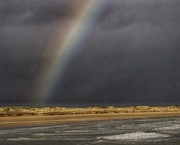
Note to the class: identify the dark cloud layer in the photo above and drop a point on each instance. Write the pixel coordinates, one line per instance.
(154, 12)
(34, 12)
(131, 56)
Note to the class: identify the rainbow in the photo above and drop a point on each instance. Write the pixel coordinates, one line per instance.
(70, 45)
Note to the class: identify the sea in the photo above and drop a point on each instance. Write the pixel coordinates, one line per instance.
(161, 131)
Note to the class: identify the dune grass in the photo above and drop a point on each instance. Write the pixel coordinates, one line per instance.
(28, 111)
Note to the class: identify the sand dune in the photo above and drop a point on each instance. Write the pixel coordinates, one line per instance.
(24, 116)
(27, 111)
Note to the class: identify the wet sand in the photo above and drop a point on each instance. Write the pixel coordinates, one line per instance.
(24, 121)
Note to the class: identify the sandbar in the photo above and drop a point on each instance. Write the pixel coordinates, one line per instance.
(25, 121)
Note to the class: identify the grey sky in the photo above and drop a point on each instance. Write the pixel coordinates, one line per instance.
(132, 54)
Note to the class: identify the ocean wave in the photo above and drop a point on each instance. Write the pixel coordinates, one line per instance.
(44, 134)
(135, 136)
(21, 139)
(172, 127)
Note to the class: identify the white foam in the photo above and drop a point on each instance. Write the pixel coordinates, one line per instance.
(135, 136)
(21, 139)
(174, 127)
(44, 134)
(77, 131)
(33, 139)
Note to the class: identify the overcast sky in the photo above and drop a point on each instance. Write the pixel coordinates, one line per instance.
(132, 54)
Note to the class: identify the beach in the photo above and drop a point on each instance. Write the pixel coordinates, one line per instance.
(40, 120)
(145, 128)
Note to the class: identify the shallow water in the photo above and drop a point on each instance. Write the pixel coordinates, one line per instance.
(164, 131)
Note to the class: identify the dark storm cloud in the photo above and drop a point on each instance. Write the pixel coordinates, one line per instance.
(25, 29)
(28, 12)
(31, 12)
(53, 11)
(155, 12)
(132, 54)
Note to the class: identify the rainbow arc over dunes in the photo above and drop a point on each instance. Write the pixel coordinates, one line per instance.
(71, 43)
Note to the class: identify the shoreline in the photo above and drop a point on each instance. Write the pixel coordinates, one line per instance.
(29, 121)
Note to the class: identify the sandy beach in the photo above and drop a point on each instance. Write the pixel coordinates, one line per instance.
(24, 121)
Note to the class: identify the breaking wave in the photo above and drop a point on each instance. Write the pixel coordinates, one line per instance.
(135, 136)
